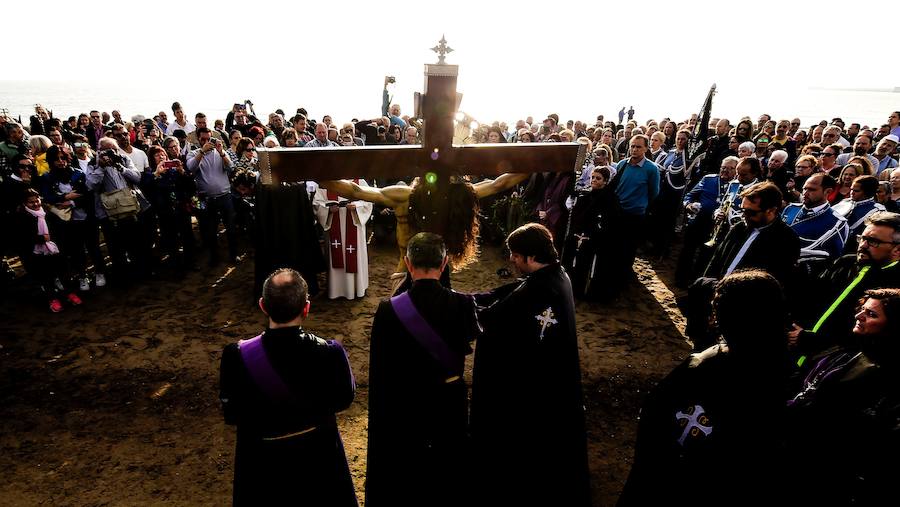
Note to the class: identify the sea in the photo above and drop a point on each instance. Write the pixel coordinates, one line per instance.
(345, 101)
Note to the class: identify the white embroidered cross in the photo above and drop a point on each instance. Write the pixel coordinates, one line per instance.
(350, 249)
(695, 422)
(336, 244)
(546, 319)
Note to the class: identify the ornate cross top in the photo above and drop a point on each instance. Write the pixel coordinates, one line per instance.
(442, 49)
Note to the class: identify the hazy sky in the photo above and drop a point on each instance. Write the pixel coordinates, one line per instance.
(516, 58)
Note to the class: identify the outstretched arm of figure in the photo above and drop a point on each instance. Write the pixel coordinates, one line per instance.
(390, 197)
(499, 184)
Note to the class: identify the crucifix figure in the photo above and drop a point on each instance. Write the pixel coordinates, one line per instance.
(440, 200)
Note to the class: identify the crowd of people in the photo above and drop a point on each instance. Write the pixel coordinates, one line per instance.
(796, 225)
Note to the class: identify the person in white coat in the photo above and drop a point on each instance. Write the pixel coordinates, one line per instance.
(344, 223)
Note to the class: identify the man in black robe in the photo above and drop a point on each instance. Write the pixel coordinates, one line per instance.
(710, 432)
(527, 418)
(282, 390)
(417, 396)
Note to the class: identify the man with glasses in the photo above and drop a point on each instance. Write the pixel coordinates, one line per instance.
(138, 157)
(876, 265)
(96, 130)
(833, 134)
(700, 203)
(759, 241)
(822, 231)
(795, 126)
(803, 169)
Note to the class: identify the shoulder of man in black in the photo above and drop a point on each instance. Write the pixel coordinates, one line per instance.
(450, 313)
(316, 371)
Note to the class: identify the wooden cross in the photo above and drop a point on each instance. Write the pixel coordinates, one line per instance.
(436, 159)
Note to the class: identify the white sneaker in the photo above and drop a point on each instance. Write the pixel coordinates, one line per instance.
(99, 280)
(85, 284)
(59, 285)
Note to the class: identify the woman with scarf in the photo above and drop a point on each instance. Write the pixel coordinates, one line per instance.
(64, 189)
(39, 252)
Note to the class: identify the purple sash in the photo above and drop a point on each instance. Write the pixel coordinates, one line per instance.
(423, 333)
(261, 371)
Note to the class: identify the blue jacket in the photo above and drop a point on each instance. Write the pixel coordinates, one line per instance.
(822, 234)
(706, 192)
(856, 212)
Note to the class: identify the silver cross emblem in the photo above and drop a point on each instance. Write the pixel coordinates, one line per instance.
(336, 244)
(694, 422)
(442, 49)
(350, 249)
(546, 319)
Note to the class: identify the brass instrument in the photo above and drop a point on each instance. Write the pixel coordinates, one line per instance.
(719, 228)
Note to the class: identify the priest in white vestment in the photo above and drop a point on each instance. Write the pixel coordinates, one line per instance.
(345, 232)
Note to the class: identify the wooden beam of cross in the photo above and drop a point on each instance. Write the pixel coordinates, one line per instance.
(436, 155)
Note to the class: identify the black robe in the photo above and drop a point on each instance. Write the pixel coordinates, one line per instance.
(527, 418)
(711, 435)
(417, 419)
(286, 236)
(306, 469)
(594, 266)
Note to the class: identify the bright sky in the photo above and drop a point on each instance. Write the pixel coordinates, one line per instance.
(516, 58)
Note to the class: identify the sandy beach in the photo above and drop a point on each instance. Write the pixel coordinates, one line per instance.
(116, 402)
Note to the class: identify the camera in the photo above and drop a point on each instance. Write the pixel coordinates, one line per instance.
(111, 154)
(391, 79)
(170, 164)
(381, 130)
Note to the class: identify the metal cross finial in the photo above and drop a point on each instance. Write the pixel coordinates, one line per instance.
(442, 49)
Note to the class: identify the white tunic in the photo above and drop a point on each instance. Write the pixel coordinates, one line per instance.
(341, 283)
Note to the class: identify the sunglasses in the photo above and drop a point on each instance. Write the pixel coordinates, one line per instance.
(751, 212)
(827, 154)
(79, 145)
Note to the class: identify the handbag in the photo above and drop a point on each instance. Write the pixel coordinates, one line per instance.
(64, 214)
(120, 204)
